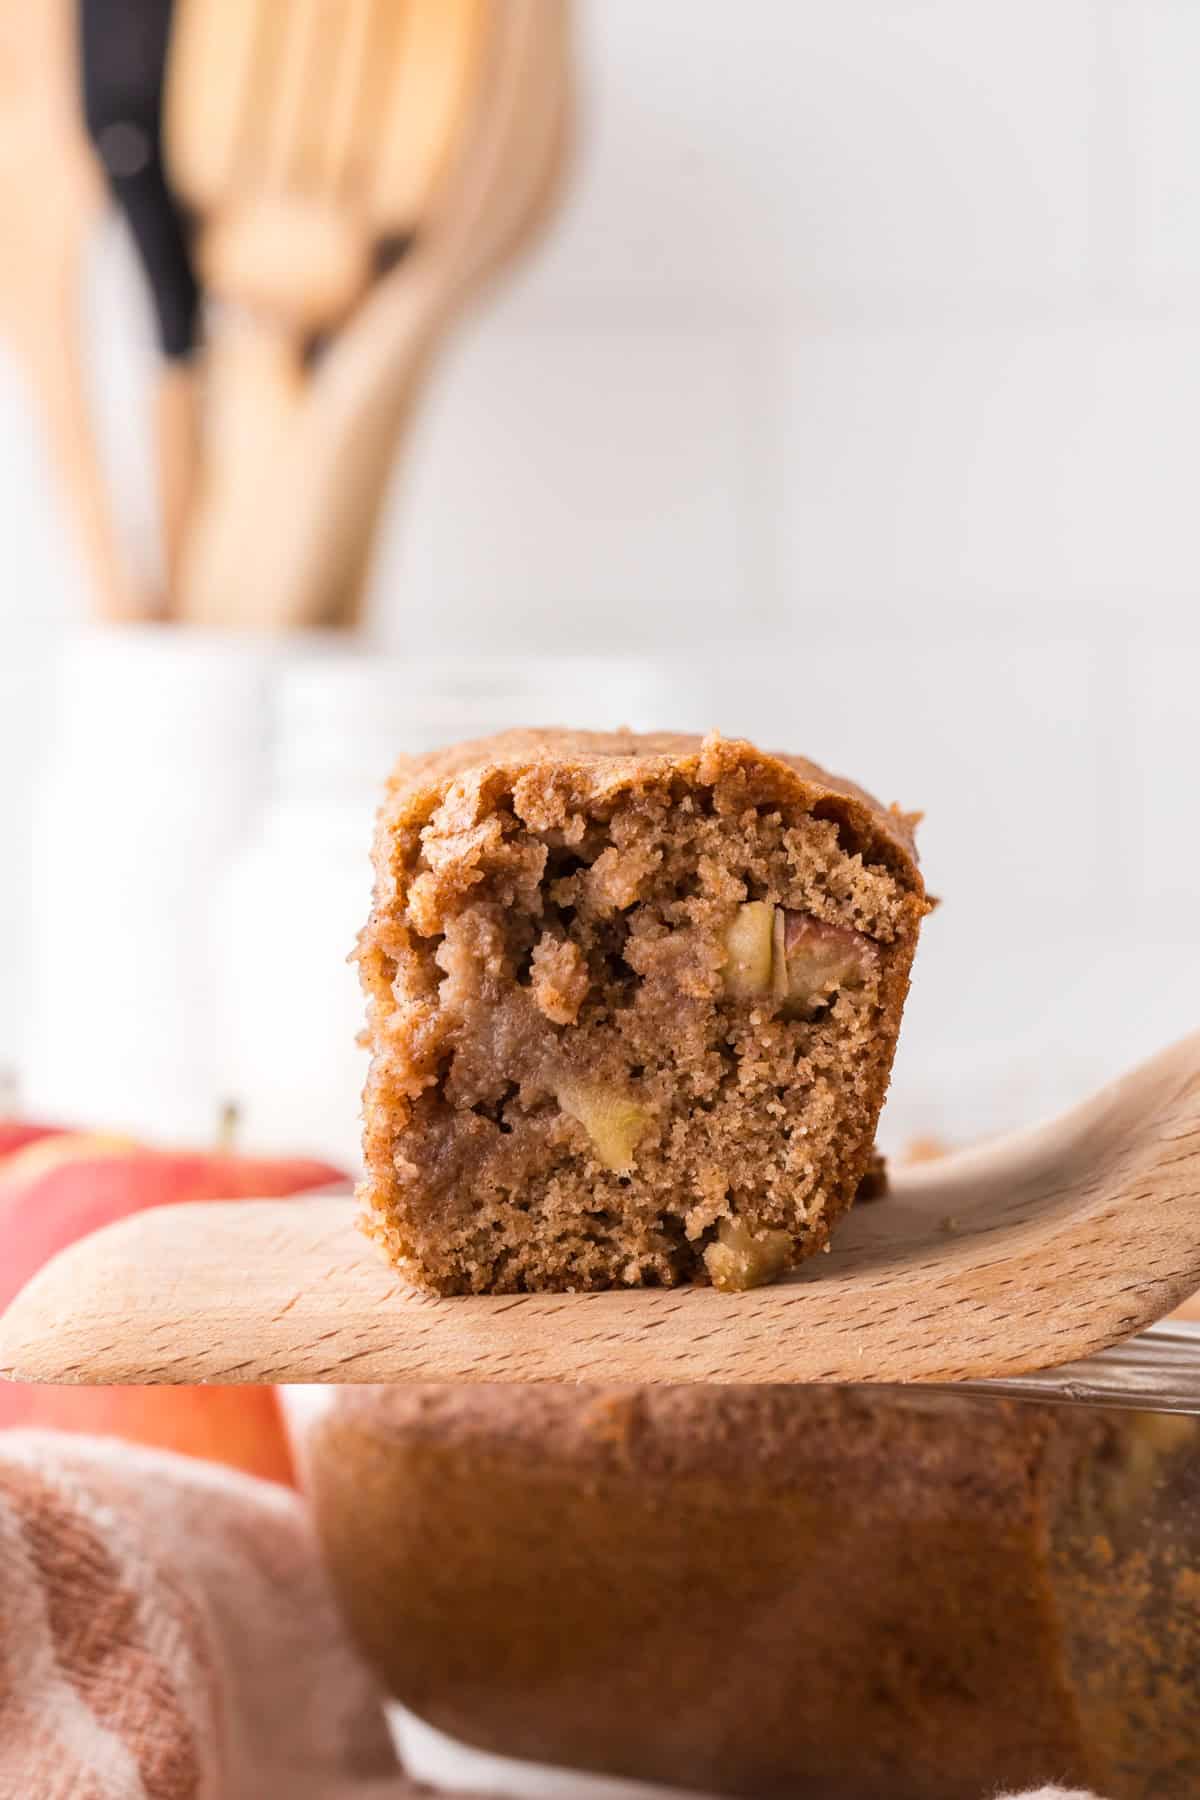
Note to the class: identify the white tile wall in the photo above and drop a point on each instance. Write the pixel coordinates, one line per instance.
(601, 480)
(1156, 46)
(746, 161)
(969, 732)
(872, 328)
(1001, 469)
(1163, 795)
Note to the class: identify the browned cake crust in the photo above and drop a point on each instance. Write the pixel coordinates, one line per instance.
(817, 1594)
(632, 1007)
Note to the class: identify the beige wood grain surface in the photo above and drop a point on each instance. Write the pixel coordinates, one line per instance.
(1035, 1250)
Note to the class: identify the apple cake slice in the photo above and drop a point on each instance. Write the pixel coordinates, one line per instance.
(632, 1006)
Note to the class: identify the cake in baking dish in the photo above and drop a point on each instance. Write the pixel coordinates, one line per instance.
(632, 1007)
(778, 1593)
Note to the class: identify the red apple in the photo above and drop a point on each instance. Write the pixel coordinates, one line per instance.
(61, 1188)
(241, 1427)
(58, 1187)
(16, 1133)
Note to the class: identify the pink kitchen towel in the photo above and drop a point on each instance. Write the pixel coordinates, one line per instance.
(166, 1633)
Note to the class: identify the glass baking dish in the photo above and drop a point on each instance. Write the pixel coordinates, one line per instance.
(1156, 1371)
(820, 1592)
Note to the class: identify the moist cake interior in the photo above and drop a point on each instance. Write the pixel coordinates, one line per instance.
(627, 1039)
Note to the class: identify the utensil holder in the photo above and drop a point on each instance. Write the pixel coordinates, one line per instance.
(154, 775)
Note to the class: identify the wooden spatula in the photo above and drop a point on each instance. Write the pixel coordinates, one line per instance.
(1034, 1251)
(51, 194)
(308, 138)
(318, 162)
(317, 507)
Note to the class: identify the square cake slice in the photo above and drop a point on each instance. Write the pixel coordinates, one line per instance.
(632, 1006)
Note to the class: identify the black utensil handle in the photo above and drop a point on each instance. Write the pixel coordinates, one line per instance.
(123, 51)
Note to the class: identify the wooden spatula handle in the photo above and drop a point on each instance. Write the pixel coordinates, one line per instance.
(321, 581)
(177, 433)
(53, 356)
(253, 384)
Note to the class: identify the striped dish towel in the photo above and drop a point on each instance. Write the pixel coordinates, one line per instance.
(166, 1633)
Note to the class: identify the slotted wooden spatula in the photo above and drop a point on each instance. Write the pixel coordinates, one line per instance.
(1027, 1253)
(319, 499)
(51, 194)
(317, 165)
(308, 136)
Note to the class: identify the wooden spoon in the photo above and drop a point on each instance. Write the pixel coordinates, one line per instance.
(1037, 1250)
(51, 195)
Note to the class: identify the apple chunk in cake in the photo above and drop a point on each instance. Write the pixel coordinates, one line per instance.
(632, 1006)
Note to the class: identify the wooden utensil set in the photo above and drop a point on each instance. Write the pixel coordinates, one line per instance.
(314, 189)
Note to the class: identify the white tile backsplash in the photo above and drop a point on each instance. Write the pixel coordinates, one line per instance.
(1156, 58)
(574, 486)
(860, 386)
(1163, 793)
(933, 474)
(1007, 1030)
(741, 162)
(977, 734)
